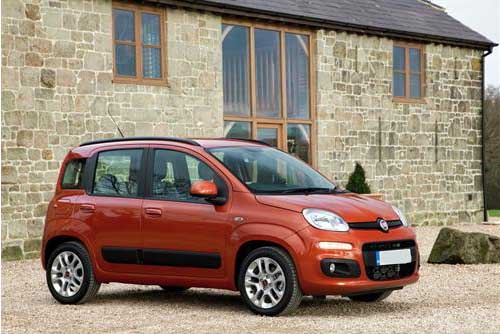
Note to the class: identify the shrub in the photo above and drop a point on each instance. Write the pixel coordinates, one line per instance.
(357, 181)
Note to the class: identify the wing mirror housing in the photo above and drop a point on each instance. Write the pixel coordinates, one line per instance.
(204, 189)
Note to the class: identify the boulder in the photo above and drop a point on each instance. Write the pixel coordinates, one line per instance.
(456, 247)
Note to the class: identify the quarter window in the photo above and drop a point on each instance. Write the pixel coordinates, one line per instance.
(139, 47)
(175, 172)
(266, 86)
(117, 173)
(408, 72)
(73, 173)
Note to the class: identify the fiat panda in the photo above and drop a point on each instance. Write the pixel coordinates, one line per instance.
(218, 213)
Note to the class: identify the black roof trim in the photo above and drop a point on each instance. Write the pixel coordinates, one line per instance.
(255, 141)
(235, 8)
(117, 140)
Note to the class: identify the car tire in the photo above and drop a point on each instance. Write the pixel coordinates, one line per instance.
(70, 275)
(168, 288)
(371, 297)
(268, 282)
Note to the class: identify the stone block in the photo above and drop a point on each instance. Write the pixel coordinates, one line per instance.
(66, 78)
(32, 12)
(89, 22)
(11, 252)
(64, 49)
(32, 245)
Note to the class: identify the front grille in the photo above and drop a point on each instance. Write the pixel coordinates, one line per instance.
(375, 225)
(388, 272)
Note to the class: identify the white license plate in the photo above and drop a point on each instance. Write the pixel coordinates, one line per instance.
(397, 256)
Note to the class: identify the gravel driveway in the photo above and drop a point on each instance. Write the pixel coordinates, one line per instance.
(456, 299)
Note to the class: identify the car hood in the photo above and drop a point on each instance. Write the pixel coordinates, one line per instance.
(353, 208)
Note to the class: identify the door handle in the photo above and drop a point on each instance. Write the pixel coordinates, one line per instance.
(154, 212)
(62, 201)
(87, 207)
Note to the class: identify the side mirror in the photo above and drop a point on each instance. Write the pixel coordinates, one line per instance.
(205, 189)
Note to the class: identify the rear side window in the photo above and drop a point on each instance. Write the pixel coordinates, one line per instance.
(117, 173)
(73, 173)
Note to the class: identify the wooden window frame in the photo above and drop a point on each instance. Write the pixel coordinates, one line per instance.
(139, 77)
(407, 73)
(283, 120)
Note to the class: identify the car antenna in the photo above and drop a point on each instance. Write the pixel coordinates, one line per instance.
(116, 124)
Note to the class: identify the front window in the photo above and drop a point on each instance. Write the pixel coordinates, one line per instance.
(175, 172)
(265, 170)
(266, 87)
(139, 47)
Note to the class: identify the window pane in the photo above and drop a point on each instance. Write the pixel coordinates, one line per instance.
(240, 130)
(267, 73)
(175, 172)
(415, 85)
(235, 70)
(399, 84)
(125, 60)
(415, 60)
(150, 29)
(299, 141)
(117, 173)
(72, 178)
(151, 65)
(268, 136)
(398, 59)
(124, 25)
(297, 75)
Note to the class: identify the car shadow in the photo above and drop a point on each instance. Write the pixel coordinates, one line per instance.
(203, 299)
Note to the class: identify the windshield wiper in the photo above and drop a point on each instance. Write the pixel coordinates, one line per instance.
(310, 190)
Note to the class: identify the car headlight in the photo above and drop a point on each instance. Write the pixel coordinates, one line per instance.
(325, 220)
(401, 216)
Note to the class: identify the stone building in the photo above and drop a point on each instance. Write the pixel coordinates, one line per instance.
(396, 87)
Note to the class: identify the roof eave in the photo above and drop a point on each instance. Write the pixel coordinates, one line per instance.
(323, 24)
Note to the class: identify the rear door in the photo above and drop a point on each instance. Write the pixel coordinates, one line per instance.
(112, 206)
(183, 235)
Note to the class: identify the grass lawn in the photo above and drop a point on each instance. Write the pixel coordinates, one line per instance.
(494, 213)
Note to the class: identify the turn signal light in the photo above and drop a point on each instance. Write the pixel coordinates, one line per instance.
(334, 245)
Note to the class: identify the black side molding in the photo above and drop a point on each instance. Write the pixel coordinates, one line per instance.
(159, 257)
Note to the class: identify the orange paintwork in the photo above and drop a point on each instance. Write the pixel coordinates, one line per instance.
(204, 189)
(99, 221)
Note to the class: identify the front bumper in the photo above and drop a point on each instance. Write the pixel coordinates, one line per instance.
(312, 263)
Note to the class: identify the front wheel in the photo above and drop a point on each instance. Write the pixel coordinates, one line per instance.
(70, 276)
(371, 297)
(268, 282)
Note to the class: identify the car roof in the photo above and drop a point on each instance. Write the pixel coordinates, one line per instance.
(86, 149)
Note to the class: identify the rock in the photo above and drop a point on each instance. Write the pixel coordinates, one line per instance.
(48, 78)
(32, 12)
(456, 247)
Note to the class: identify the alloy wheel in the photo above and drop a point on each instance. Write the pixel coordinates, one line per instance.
(265, 282)
(67, 274)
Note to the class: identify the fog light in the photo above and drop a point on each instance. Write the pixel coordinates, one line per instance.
(332, 267)
(334, 245)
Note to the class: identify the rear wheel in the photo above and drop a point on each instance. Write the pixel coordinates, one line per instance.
(169, 288)
(371, 297)
(268, 282)
(70, 276)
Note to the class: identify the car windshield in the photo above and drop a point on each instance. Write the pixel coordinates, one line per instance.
(265, 170)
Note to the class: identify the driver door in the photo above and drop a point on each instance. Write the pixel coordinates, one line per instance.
(183, 235)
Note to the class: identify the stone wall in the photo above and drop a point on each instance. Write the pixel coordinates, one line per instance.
(433, 184)
(57, 90)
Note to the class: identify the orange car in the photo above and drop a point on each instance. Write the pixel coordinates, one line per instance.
(218, 213)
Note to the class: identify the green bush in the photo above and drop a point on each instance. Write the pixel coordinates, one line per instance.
(357, 181)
